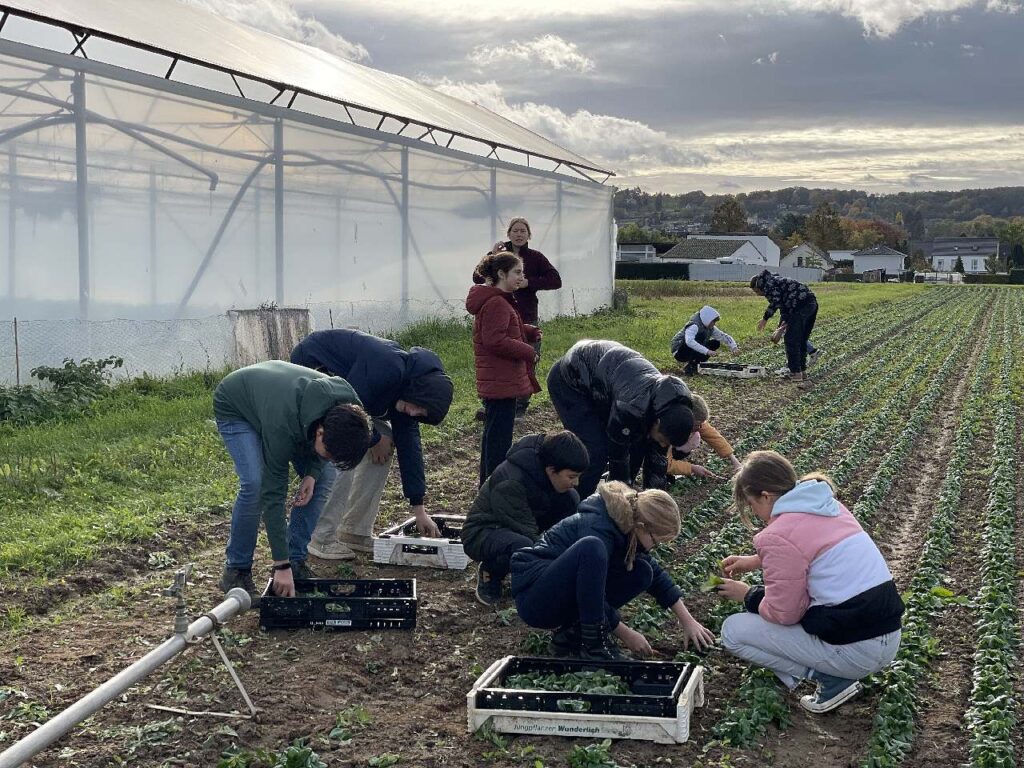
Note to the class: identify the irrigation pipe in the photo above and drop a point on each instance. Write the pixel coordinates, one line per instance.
(17, 754)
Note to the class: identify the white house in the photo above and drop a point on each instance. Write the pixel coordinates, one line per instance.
(879, 257)
(763, 244)
(699, 249)
(635, 252)
(807, 255)
(973, 251)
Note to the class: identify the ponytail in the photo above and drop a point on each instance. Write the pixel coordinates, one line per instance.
(493, 263)
(653, 511)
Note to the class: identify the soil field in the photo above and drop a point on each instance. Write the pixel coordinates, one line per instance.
(885, 415)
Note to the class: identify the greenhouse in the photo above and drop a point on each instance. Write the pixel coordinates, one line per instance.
(162, 168)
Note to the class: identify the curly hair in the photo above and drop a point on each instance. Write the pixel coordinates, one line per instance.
(493, 263)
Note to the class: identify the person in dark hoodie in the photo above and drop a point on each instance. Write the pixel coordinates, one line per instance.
(531, 490)
(798, 311)
(269, 415)
(400, 390)
(538, 275)
(829, 610)
(587, 566)
(504, 359)
(624, 410)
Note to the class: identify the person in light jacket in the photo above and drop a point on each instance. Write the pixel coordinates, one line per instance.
(829, 610)
(700, 339)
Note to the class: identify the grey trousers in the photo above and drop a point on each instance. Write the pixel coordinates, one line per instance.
(792, 654)
(354, 502)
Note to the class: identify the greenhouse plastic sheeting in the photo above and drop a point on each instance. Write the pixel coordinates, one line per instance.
(155, 262)
(193, 33)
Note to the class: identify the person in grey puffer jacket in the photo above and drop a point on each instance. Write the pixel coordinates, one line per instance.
(626, 412)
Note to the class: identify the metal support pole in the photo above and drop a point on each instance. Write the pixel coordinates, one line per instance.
(12, 223)
(339, 266)
(81, 192)
(558, 235)
(258, 244)
(279, 211)
(17, 355)
(152, 237)
(405, 234)
(20, 752)
(494, 206)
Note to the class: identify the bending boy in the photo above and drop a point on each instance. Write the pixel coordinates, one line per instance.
(399, 390)
(526, 494)
(269, 415)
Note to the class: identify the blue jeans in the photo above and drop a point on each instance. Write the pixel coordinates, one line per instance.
(582, 585)
(246, 449)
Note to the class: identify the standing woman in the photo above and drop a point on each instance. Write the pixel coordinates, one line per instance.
(539, 276)
(505, 359)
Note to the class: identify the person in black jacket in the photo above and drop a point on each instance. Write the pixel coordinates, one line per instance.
(399, 389)
(624, 410)
(798, 309)
(589, 565)
(526, 494)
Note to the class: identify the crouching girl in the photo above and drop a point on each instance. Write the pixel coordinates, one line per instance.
(829, 610)
(586, 567)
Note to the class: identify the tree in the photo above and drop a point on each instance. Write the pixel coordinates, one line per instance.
(824, 228)
(996, 264)
(959, 266)
(919, 263)
(728, 216)
(790, 224)
(634, 233)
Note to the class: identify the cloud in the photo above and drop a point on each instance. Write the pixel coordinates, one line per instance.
(550, 51)
(615, 142)
(772, 58)
(280, 18)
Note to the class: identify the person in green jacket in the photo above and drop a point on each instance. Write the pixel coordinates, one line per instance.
(269, 415)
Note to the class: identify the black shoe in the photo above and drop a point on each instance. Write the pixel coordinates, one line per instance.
(488, 589)
(481, 414)
(597, 645)
(565, 641)
(302, 571)
(690, 369)
(240, 578)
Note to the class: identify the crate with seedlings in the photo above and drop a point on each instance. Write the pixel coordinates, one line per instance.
(338, 604)
(403, 545)
(732, 370)
(647, 700)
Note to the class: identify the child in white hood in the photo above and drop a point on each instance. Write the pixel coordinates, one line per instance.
(700, 339)
(829, 610)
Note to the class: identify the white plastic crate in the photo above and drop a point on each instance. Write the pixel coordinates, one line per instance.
(401, 545)
(510, 711)
(732, 370)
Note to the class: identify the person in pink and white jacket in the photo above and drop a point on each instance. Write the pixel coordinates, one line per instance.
(829, 610)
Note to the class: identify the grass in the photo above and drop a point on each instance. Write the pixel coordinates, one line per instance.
(148, 456)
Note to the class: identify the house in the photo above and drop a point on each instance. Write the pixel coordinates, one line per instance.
(974, 251)
(879, 257)
(695, 249)
(762, 243)
(637, 251)
(807, 255)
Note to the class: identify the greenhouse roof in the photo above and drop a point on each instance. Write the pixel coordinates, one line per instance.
(185, 33)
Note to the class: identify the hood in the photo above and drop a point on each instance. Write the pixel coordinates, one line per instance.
(480, 295)
(525, 454)
(708, 315)
(811, 497)
(319, 394)
(428, 386)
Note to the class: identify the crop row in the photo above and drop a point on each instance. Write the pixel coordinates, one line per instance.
(893, 726)
(991, 717)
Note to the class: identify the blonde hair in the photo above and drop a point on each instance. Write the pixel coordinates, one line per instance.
(766, 472)
(699, 409)
(519, 220)
(652, 511)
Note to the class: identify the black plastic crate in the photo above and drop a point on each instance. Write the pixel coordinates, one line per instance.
(340, 604)
(655, 687)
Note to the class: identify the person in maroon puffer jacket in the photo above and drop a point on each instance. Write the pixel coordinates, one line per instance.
(505, 361)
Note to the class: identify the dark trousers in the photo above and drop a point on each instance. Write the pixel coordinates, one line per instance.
(581, 417)
(799, 325)
(499, 422)
(496, 549)
(690, 356)
(581, 585)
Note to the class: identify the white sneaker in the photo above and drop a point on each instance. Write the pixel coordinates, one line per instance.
(356, 543)
(332, 550)
(813, 357)
(783, 371)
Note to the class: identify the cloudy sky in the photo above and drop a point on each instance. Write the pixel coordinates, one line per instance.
(678, 95)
